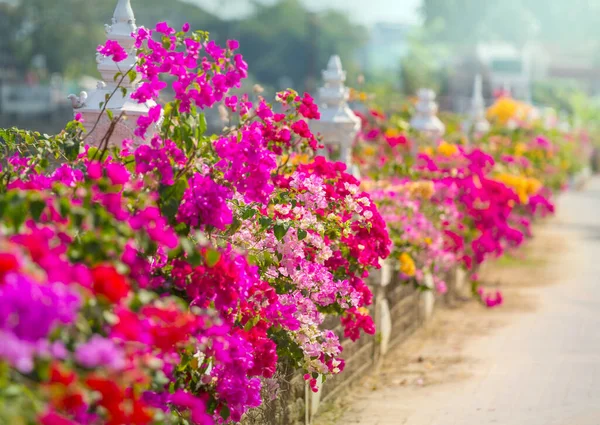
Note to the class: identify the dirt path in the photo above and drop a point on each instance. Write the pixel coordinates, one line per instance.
(534, 361)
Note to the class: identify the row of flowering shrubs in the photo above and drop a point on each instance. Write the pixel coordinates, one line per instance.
(164, 283)
(461, 203)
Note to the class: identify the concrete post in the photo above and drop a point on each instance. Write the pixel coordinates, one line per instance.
(425, 120)
(91, 105)
(477, 122)
(338, 124)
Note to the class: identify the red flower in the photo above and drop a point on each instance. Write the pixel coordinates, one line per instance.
(122, 406)
(169, 326)
(108, 282)
(8, 263)
(59, 375)
(52, 418)
(130, 327)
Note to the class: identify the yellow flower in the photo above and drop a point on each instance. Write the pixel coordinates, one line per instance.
(392, 132)
(407, 265)
(421, 189)
(523, 186)
(447, 149)
(428, 241)
(362, 97)
(427, 150)
(507, 108)
(300, 159)
(520, 149)
(364, 311)
(369, 150)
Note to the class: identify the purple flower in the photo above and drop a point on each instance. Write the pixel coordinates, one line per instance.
(205, 203)
(28, 313)
(165, 29)
(113, 50)
(31, 311)
(247, 164)
(100, 352)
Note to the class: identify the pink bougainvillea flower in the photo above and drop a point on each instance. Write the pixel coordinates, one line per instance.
(113, 50)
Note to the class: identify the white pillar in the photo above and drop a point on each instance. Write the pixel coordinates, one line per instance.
(425, 120)
(477, 123)
(338, 124)
(91, 106)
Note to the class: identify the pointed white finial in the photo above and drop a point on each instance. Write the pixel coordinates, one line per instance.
(425, 119)
(477, 122)
(123, 25)
(338, 124)
(90, 106)
(334, 91)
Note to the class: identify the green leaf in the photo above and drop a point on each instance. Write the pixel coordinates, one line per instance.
(265, 222)
(212, 257)
(249, 213)
(71, 149)
(225, 413)
(194, 258)
(63, 207)
(3, 205)
(132, 75)
(170, 198)
(37, 207)
(302, 234)
(280, 230)
(110, 114)
(202, 125)
(234, 226)
(92, 152)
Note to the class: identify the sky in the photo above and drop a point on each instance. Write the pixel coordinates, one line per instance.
(362, 11)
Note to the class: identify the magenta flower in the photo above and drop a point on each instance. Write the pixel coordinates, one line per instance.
(100, 352)
(113, 50)
(205, 204)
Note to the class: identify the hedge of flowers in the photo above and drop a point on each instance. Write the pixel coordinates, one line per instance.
(164, 283)
(478, 196)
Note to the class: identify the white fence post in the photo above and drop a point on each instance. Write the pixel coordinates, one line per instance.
(425, 120)
(91, 106)
(338, 124)
(477, 122)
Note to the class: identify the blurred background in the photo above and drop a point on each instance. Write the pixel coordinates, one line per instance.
(545, 52)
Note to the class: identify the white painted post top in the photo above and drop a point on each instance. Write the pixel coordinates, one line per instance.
(91, 105)
(477, 121)
(338, 124)
(425, 119)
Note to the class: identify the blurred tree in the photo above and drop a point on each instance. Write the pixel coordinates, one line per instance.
(516, 21)
(278, 41)
(455, 21)
(422, 67)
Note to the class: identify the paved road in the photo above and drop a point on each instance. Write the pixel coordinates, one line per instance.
(542, 369)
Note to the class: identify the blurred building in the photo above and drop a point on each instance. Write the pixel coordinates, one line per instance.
(519, 70)
(387, 45)
(509, 68)
(576, 65)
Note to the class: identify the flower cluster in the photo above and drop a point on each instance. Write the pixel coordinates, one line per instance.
(165, 283)
(454, 205)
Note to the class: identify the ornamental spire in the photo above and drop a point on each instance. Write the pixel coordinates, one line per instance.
(338, 124)
(93, 107)
(477, 120)
(425, 119)
(334, 93)
(123, 25)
